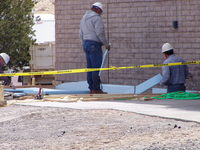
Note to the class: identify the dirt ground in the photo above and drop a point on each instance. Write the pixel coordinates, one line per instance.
(45, 128)
(45, 7)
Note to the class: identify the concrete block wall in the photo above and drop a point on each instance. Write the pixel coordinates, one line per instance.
(137, 29)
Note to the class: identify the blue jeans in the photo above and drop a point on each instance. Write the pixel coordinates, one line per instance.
(175, 88)
(94, 56)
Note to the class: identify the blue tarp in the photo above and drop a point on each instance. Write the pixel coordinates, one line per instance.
(81, 87)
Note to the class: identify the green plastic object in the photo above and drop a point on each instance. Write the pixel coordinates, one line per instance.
(179, 96)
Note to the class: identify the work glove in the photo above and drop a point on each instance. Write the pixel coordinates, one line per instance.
(190, 76)
(161, 84)
(107, 47)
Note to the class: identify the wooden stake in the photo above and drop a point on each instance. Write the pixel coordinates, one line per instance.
(33, 81)
(2, 101)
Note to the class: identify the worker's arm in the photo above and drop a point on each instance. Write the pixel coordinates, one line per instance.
(165, 75)
(81, 36)
(100, 32)
(188, 75)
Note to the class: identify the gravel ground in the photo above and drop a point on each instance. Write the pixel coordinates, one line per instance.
(44, 128)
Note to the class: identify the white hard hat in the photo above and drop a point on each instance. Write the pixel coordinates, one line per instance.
(98, 4)
(5, 57)
(166, 47)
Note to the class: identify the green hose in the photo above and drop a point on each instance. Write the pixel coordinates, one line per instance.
(178, 95)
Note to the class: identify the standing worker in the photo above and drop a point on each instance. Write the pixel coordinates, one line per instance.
(4, 59)
(173, 76)
(92, 36)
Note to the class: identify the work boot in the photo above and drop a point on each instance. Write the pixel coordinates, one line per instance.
(90, 92)
(98, 92)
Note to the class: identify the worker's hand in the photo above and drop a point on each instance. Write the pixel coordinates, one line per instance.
(161, 84)
(190, 76)
(107, 47)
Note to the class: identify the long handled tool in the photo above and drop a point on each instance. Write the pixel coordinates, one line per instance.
(105, 57)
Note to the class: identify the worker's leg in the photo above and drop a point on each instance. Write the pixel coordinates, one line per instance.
(86, 46)
(175, 88)
(96, 59)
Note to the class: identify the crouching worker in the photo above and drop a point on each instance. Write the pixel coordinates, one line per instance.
(4, 59)
(173, 76)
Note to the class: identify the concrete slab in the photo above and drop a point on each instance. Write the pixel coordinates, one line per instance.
(187, 110)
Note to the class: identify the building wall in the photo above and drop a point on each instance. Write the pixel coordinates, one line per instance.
(136, 29)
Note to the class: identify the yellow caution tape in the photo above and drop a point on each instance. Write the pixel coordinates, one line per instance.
(97, 69)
